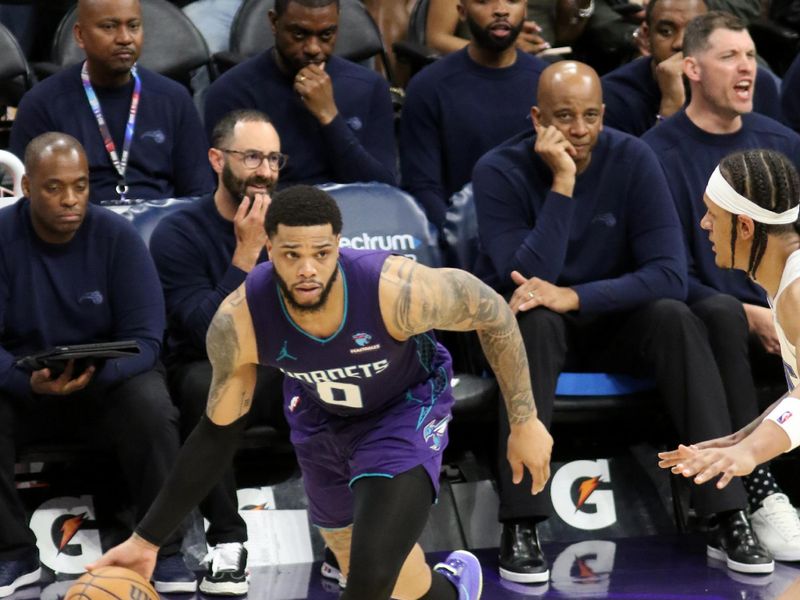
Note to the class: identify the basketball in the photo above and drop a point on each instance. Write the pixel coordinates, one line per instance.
(107, 583)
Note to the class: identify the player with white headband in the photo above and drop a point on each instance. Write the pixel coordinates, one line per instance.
(751, 218)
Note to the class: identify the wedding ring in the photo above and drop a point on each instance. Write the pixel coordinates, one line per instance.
(531, 295)
(301, 78)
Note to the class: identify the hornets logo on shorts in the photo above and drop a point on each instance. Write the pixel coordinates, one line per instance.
(434, 432)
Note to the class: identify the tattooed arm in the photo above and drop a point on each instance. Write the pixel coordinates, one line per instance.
(208, 451)
(415, 299)
(231, 348)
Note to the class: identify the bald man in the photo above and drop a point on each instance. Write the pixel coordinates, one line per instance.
(73, 273)
(579, 231)
(153, 148)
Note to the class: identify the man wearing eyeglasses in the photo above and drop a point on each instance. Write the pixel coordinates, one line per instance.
(203, 252)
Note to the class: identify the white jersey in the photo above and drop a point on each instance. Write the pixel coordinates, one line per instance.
(791, 272)
(787, 414)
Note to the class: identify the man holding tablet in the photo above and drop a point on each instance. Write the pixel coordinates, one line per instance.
(73, 273)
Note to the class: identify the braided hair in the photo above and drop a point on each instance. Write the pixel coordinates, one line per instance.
(768, 179)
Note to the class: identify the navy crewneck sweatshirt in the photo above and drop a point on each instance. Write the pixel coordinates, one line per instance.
(632, 96)
(688, 156)
(192, 249)
(616, 242)
(358, 145)
(169, 153)
(100, 286)
(455, 111)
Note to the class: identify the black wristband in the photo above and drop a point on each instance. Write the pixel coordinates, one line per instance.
(203, 459)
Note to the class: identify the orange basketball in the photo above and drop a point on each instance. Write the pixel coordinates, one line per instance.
(107, 583)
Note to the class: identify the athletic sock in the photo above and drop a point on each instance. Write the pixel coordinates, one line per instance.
(441, 589)
(759, 484)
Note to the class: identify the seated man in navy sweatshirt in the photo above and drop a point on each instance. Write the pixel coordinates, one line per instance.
(465, 104)
(334, 117)
(203, 252)
(142, 134)
(720, 66)
(76, 273)
(642, 93)
(578, 228)
(790, 95)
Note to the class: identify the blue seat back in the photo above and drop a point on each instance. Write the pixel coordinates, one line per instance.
(146, 214)
(378, 216)
(461, 231)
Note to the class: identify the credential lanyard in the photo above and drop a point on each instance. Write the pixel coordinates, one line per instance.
(120, 162)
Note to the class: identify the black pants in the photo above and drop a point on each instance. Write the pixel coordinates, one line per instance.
(135, 420)
(190, 383)
(729, 337)
(664, 340)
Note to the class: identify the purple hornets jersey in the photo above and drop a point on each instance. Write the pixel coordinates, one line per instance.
(360, 369)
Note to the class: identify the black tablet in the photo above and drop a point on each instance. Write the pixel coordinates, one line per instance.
(84, 355)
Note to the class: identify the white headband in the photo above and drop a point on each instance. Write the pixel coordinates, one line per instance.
(724, 196)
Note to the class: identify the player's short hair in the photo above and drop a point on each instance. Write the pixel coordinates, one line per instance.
(301, 206)
(648, 11)
(769, 179)
(699, 29)
(52, 141)
(280, 5)
(223, 130)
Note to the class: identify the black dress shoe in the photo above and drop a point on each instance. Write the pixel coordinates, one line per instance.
(521, 556)
(732, 540)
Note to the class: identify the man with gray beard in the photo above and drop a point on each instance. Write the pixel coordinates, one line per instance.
(203, 252)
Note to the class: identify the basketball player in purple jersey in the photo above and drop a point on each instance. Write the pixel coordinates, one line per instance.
(367, 397)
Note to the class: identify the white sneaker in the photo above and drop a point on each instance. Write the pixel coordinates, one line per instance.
(777, 527)
(227, 571)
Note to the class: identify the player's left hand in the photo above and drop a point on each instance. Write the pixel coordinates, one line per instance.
(314, 86)
(705, 464)
(529, 447)
(534, 292)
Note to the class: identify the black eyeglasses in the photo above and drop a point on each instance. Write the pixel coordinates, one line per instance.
(252, 159)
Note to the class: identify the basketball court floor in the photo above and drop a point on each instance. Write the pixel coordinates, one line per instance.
(645, 568)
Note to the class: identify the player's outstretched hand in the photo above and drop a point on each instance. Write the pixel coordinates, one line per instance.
(134, 553)
(706, 463)
(529, 447)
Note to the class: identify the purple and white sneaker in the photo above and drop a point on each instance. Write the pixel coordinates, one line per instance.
(463, 570)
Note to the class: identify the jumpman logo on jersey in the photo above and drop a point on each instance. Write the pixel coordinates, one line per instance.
(284, 353)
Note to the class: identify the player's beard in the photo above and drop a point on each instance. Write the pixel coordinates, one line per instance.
(484, 39)
(237, 187)
(309, 308)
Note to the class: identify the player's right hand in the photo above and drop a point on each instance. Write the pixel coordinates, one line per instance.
(529, 447)
(134, 553)
(42, 382)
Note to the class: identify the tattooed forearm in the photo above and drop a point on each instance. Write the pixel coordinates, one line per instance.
(222, 345)
(502, 344)
(455, 300)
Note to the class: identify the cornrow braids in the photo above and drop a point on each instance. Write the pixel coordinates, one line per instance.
(768, 179)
